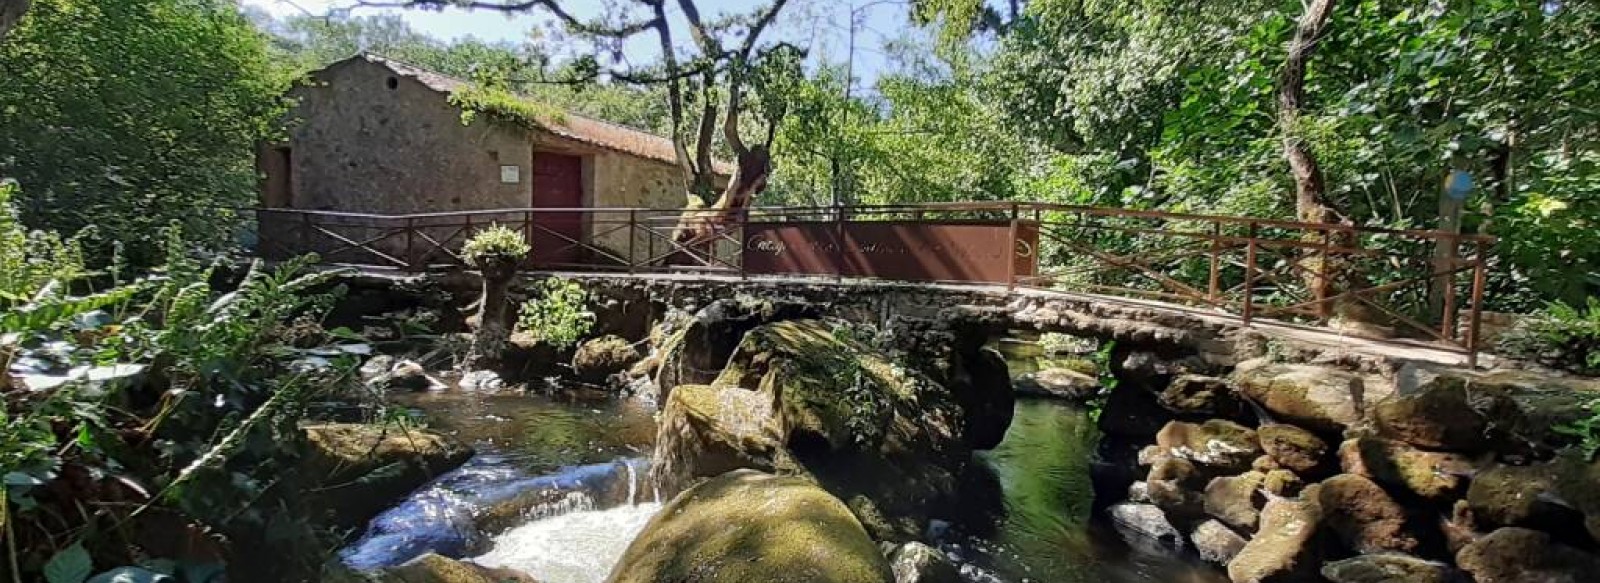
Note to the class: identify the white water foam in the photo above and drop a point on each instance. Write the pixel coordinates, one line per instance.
(578, 547)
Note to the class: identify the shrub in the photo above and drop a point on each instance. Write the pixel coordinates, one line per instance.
(496, 243)
(1561, 336)
(560, 316)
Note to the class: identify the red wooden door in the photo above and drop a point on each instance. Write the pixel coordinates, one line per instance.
(557, 183)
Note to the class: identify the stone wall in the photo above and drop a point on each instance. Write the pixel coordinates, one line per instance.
(363, 139)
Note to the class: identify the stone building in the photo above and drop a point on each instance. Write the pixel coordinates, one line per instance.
(372, 135)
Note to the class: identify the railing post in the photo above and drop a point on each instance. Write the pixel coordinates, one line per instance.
(838, 244)
(633, 235)
(1474, 323)
(1011, 253)
(1214, 283)
(1250, 275)
(305, 234)
(1447, 325)
(1324, 308)
(411, 250)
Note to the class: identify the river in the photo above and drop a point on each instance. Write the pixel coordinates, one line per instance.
(557, 491)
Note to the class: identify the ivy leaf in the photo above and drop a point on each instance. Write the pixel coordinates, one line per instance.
(71, 565)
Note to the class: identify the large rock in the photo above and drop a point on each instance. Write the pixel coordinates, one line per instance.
(982, 388)
(1512, 412)
(1145, 526)
(1428, 474)
(602, 357)
(1058, 383)
(432, 568)
(1285, 549)
(1292, 447)
(1437, 418)
(750, 527)
(1320, 398)
(361, 469)
(1216, 543)
(1220, 444)
(795, 398)
(695, 351)
(1386, 568)
(915, 562)
(1236, 500)
(1555, 495)
(1364, 516)
(1201, 396)
(1521, 555)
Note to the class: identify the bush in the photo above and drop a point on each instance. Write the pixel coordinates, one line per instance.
(494, 244)
(560, 316)
(1561, 336)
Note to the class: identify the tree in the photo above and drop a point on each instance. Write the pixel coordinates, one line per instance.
(129, 114)
(728, 59)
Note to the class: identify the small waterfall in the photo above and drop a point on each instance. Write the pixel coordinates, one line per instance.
(633, 484)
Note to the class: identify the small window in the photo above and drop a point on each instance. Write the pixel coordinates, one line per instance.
(392, 83)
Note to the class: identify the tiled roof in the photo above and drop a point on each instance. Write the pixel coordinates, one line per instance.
(572, 126)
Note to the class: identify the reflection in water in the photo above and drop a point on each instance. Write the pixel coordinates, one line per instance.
(541, 433)
(1046, 534)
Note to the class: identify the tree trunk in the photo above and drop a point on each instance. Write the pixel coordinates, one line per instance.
(1310, 189)
(10, 14)
(493, 329)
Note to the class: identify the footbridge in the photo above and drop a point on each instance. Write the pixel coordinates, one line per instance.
(1202, 281)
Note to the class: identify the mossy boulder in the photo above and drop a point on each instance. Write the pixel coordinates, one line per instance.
(750, 527)
(1521, 555)
(1364, 516)
(1510, 412)
(1282, 483)
(1429, 474)
(1217, 443)
(357, 470)
(432, 568)
(694, 349)
(1387, 568)
(1201, 396)
(599, 358)
(798, 399)
(1058, 383)
(1561, 495)
(1320, 398)
(1236, 500)
(1439, 417)
(1292, 447)
(1286, 548)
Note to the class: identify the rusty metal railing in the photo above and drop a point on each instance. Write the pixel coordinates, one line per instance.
(1239, 267)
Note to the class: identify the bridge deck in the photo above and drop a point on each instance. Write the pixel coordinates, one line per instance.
(1331, 342)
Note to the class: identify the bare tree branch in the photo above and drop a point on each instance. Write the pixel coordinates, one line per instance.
(596, 27)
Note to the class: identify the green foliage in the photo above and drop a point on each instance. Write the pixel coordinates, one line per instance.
(127, 114)
(165, 395)
(1561, 335)
(1585, 432)
(494, 244)
(560, 315)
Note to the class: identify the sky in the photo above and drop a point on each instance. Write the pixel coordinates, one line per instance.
(822, 26)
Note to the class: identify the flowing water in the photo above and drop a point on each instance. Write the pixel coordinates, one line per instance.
(556, 491)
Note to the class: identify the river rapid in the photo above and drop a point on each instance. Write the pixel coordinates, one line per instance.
(558, 490)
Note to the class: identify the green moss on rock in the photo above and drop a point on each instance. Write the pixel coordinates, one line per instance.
(750, 527)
